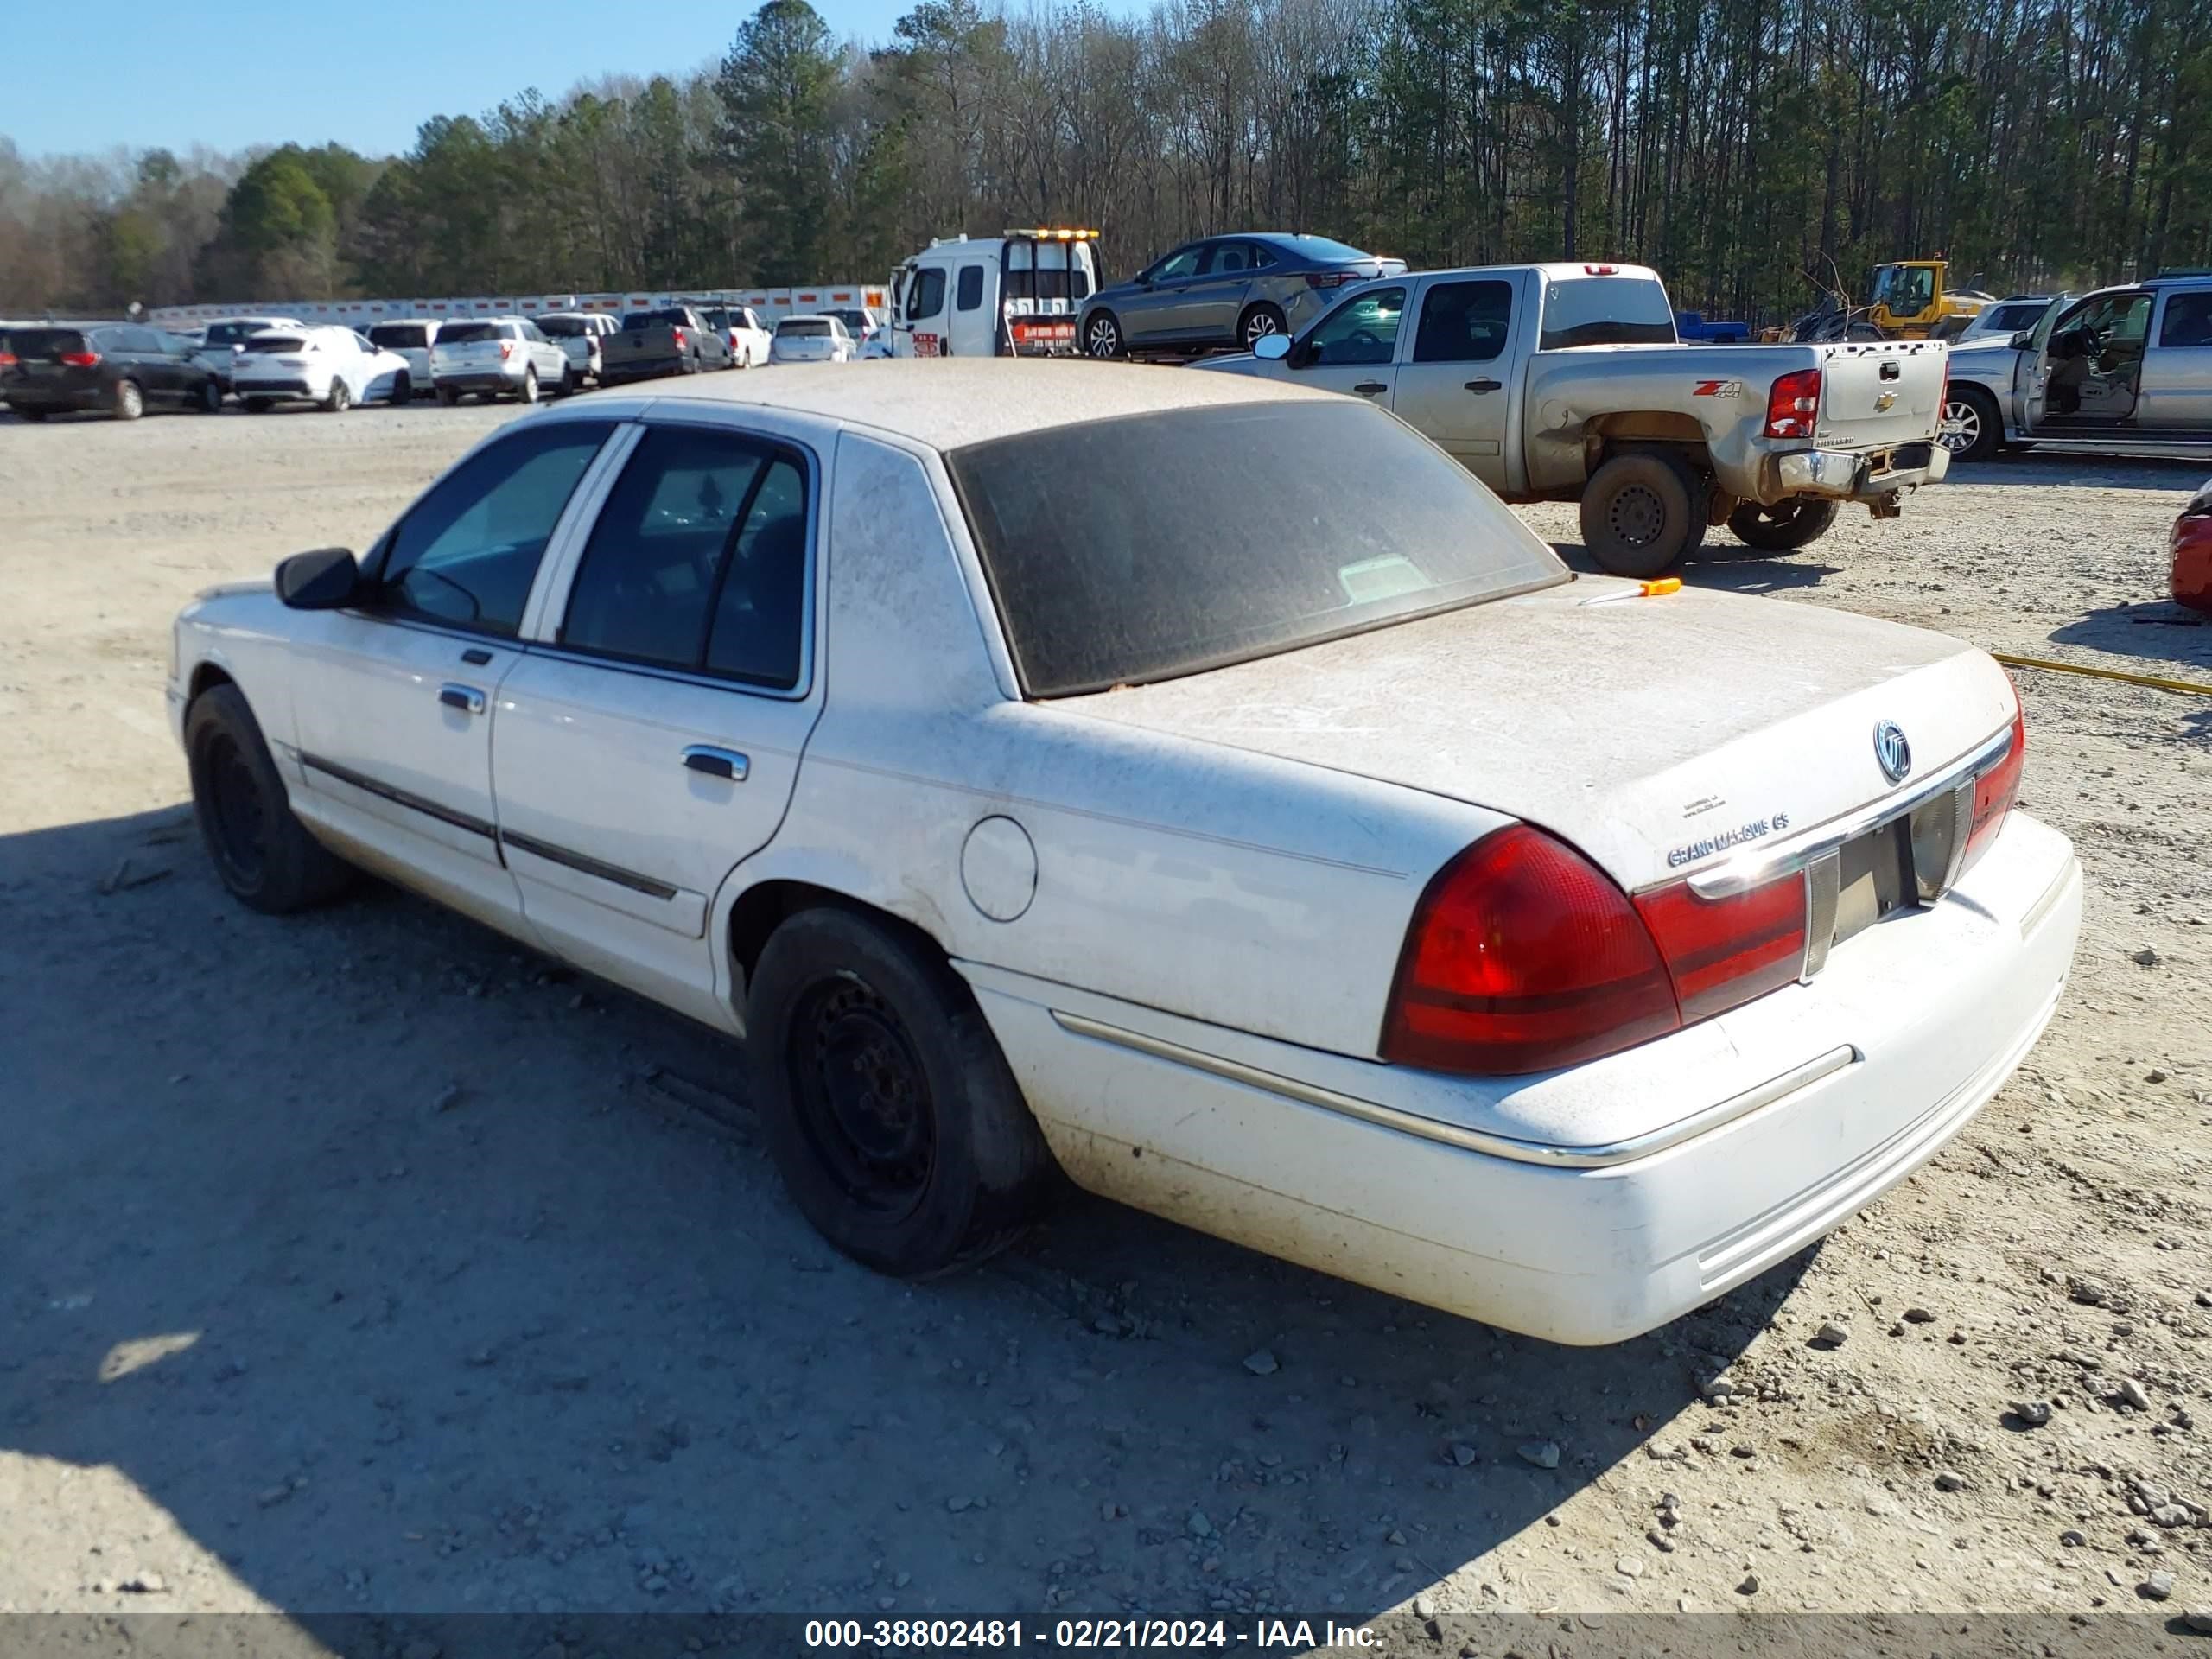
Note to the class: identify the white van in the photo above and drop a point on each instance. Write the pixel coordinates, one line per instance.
(1011, 295)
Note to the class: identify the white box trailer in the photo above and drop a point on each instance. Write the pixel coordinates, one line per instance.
(771, 303)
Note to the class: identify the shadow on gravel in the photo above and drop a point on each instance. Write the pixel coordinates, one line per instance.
(1728, 565)
(2160, 631)
(408, 1272)
(2056, 468)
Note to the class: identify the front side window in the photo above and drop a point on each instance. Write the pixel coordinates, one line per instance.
(1464, 323)
(925, 294)
(1343, 520)
(1363, 330)
(2188, 320)
(467, 553)
(1182, 263)
(970, 295)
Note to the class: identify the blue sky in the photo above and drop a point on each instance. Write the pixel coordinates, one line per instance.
(177, 75)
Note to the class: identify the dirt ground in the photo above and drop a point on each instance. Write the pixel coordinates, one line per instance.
(361, 1262)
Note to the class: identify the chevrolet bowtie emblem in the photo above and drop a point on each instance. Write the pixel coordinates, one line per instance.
(1883, 400)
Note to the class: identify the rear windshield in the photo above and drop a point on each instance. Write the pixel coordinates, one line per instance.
(565, 327)
(276, 343)
(1321, 247)
(852, 319)
(1605, 311)
(802, 327)
(400, 335)
(655, 320)
(457, 333)
(1340, 520)
(46, 343)
(233, 333)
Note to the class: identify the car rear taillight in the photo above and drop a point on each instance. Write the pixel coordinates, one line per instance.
(506, 350)
(1524, 956)
(1996, 789)
(1333, 278)
(81, 359)
(1792, 403)
(679, 333)
(7, 359)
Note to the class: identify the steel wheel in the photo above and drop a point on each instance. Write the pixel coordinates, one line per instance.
(238, 813)
(1637, 515)
(1103, 337)
(863, 1096)
(1960, 427)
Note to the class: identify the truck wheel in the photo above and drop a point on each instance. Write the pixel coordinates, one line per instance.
(885, 1100)
(1783, 527)
(1642, 515)
(450, 396)
(1972, 427)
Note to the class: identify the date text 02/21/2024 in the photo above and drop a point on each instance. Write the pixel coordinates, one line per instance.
(878, 1635)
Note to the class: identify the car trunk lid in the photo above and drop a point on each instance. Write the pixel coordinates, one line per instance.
(1659, 736)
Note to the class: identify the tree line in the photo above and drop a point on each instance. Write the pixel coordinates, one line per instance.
(1740, 146)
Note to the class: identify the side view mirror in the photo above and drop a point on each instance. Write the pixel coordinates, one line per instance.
(1271, 348)
(2024, 340)
(325, 580)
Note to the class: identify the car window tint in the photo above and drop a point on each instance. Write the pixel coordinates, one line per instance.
(759, 628)
(646, 583)
(467, 553)
(1464, 323)
(2187, 319)
(925, 294)
(1262, 254)
(1605, 311)
(1180, 263)
(971, 287)
(139, 339)
(1363, 330)
(1225, 258)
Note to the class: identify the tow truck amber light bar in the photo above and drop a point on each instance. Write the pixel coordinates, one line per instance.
(1047, 233)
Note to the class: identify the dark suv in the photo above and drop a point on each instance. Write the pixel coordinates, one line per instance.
(121, 369)
(1225, 291)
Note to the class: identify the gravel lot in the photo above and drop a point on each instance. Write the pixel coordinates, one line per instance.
(359, 1262)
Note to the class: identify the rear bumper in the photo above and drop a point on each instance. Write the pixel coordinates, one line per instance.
(286, 389)
(1852, 475)
(1843, 1088)
(477, 380)
(612, 374)
(58, 398)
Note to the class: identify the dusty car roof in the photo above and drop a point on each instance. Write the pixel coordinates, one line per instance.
(947, 404)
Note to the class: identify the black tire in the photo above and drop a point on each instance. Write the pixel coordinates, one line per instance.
(450, 396)
(127, 401)
(1259, 321)
(1783, 527)
(1972, 427)
(895, 1120)
(567, 385)
(403, 389)
(527, 393)
(210, 400)
(257, 405)
(340, 397)
(1102, 336)
(1643, 514)
(261, 854)
(34, 414)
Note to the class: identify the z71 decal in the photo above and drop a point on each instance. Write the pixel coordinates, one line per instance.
(1719, 389)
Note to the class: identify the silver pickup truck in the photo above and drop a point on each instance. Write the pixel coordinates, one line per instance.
(1567, 382)
(2128, 365)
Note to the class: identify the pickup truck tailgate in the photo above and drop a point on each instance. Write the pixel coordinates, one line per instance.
(1880, 394)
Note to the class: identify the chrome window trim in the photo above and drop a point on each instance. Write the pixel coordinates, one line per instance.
(1452, 1135)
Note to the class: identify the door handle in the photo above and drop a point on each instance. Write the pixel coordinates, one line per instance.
(1483, 385)
(466, 698)
(717, 763)
(1371, 387)
(476, 655)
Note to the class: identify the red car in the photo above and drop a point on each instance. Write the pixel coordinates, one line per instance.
(2192, 579)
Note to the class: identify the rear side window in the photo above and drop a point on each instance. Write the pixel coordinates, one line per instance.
(1605, 311)
(138, 340)
(925, 294)
(692, 564)
(2189, 320)
(1464, 323)
(466, 553)
(971, 287)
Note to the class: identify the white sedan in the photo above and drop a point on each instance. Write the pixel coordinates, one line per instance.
(1310, 857)
(333, 367)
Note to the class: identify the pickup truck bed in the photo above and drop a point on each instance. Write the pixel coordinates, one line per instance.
(657, 343)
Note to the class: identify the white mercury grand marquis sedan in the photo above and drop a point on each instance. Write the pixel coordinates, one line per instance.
(1202, 784)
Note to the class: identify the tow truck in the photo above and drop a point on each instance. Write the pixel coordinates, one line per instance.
(1014, 295)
